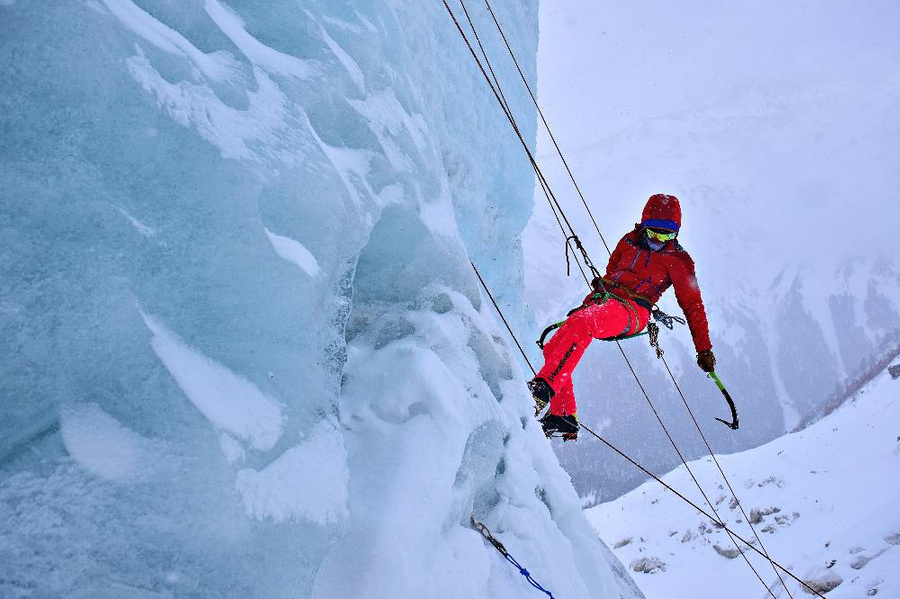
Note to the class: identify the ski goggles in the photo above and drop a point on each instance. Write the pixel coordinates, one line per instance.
(661, 235)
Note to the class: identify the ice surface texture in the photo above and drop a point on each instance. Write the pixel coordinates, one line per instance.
(243, 352)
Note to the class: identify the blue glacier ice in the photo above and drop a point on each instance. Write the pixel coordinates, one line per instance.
(243, 350)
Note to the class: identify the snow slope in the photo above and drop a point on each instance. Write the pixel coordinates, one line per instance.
(826, 500)
(244, 354)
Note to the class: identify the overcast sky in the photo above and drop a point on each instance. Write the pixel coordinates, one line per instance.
(605, 61)
(777, 123)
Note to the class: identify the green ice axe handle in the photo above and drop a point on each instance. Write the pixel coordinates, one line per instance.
(733, 425)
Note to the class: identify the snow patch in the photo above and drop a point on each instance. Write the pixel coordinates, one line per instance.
(351, 65)
(230, 402)
(264, 129)
(294, 251)
(100, 443)
(258, 53)
(232, 131)
(389, 120)
(231, 448)
(307, 481)
(351, 165)
(217, 66)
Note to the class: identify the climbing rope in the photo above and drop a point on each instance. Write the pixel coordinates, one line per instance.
(502, 317)
(691, 472)
(546, 125)
(653, 330)
(719, 467)
(555, 207)
(718, 523)
(483, 530)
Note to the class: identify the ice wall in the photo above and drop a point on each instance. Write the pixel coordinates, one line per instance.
(244, 354)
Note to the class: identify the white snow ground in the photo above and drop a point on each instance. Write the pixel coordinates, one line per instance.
(827, 497)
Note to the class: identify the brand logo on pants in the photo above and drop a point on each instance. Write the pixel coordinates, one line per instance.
(562, 363)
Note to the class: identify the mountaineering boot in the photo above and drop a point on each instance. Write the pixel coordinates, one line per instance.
(541, 392)
(563, 426)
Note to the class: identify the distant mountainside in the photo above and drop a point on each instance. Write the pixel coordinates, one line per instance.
(850, 387)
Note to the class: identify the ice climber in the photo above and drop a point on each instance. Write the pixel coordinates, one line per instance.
(646, 262)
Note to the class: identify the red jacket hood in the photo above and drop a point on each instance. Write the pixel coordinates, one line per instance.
(662, 211)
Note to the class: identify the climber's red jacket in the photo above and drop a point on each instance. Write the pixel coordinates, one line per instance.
(644, 274)
(638, 274)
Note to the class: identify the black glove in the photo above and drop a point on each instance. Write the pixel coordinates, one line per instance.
(706, 360)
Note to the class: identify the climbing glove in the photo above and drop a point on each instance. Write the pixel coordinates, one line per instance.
(706, 360)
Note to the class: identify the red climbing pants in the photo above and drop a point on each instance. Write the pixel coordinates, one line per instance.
(564, 350)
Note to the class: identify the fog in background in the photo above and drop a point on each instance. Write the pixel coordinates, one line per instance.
(777, 125)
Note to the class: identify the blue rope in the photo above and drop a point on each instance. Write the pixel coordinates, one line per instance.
(483, 530)
(527, 576)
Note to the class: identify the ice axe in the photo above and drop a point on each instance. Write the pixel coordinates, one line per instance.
(733, 425)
